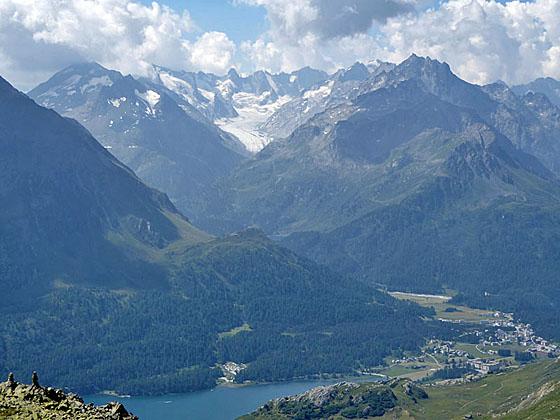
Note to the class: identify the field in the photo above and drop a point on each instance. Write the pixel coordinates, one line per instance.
(492, 395)
(405, 370)
(234, 331)
(443, 307)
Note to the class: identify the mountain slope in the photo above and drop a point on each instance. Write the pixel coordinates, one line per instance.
(107, 286)
(168, 143)
(547, 86)
(71, 208)
(526, 393)
(340, 88)
(422, 181)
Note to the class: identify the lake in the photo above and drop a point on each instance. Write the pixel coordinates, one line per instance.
(221, 403)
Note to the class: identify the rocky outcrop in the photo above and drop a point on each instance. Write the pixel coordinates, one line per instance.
(345, 399)
(21, 401)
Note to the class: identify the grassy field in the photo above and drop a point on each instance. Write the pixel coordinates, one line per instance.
(420, 299)
(492, 395)
(473, 350)
(406, 371)
(441, 304)
(236, 330)
(547, 408)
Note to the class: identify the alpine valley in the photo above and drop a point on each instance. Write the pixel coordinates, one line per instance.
(108, 287)
(164, 232)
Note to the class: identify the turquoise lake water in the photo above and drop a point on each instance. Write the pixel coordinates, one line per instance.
(221, 403)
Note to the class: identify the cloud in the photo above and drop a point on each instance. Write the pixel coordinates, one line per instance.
(291, 20)
(213, 52)
(348, 17)
(483, 40)
(38, 37)
(325, 34)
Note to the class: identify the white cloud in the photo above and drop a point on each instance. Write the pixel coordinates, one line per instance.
(319, 33)
(38, 37)
(213, 52)
(483, 40)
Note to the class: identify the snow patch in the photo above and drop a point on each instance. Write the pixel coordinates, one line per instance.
(321, 92)
(225, 87)
(116, 102)
(151, 98)
(252, 113)
(177, 85)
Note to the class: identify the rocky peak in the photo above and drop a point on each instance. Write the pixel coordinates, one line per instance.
(545, 85)
(357, 72)
(18, 400)
(424, 66)
(233, 75)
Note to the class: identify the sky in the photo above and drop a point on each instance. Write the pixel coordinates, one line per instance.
(482, 40)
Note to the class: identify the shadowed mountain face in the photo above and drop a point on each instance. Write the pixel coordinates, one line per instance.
(165, 140)
(107, 286)
(70, 211)
(420, 181)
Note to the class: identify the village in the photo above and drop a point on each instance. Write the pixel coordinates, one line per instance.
(493, 342)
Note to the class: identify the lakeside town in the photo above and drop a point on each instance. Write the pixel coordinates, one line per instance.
(493, 342)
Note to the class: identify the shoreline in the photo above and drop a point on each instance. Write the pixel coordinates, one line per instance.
(374, 377)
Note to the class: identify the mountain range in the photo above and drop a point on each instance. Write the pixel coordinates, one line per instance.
(107, 286)
(239, 104)
(418, 180)
(380, 176)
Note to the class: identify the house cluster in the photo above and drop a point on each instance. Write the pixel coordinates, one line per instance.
(445, 348)
(230, 370)
(494, 340)
(510, 332)
(486, 366)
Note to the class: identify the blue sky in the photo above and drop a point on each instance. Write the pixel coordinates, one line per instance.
(240, 22)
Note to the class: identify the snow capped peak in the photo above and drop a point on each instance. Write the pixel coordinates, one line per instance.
(73, 86)
(239, 104)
